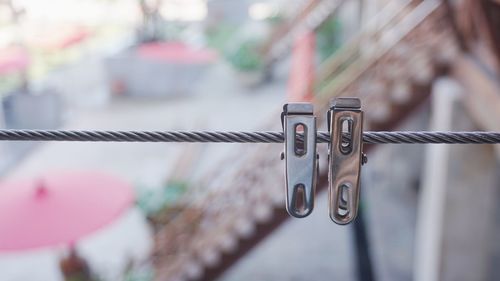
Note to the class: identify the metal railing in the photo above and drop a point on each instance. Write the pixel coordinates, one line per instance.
(350, 63)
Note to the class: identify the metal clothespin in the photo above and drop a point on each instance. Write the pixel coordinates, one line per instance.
(345, 124)
(301, 165)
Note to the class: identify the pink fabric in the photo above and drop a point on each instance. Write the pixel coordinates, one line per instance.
(176, 52)
(59, 208)
(13, 60)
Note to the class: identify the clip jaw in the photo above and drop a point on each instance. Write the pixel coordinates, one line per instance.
(300, 156)
(345, 118)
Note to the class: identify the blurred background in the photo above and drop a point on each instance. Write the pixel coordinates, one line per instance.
(180, 212)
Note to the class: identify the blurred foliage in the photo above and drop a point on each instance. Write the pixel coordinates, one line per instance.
(9, 83)
(327, 41)
(153, 24)
(275, 19)
(219, 35)
(139, 274)
(246, 56)
(153, 201)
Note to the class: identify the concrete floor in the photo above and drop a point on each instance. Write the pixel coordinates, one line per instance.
(217, 103)
(313, 248)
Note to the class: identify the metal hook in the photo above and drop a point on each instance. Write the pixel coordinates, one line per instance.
(345, 118)
(301, 165)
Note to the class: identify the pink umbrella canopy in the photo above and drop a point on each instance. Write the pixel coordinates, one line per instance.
(59, 208)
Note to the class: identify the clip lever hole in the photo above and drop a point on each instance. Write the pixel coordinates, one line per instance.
(299, 200)
(300, 145)
(346, 129)
(343, 200)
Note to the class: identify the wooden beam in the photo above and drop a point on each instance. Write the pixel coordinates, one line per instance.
(482, 91)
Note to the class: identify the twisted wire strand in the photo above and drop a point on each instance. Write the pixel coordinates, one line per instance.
(380, 137)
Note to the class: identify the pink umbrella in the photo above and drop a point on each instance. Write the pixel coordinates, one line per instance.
(59, 208)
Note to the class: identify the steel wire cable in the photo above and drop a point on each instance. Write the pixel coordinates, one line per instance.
(369, 137)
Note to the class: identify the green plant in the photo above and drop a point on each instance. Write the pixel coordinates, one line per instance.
(246, 56)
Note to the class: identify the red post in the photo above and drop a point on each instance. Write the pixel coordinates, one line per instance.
(301, 79)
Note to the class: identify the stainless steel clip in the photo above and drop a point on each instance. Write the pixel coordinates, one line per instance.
(345, 124)
(301, 165)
